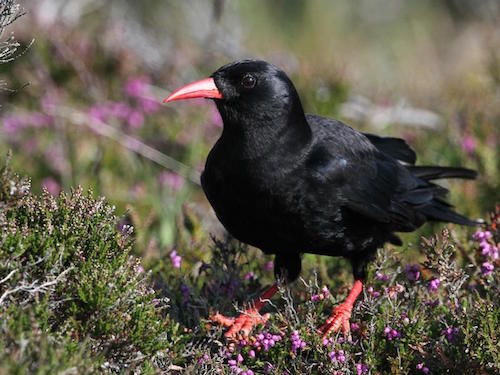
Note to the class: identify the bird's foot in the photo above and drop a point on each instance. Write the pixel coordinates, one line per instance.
(338, 320)
(243, 324)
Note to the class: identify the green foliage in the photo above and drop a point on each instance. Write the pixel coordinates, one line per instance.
(70, 292)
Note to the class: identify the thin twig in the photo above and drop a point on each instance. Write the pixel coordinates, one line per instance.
(127, 141)
(8, 276)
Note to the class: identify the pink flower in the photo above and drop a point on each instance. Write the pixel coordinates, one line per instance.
(297, 342)
(149, 105)
(372, 292)
(361, 368)
(135, 119)
(451, 333)
(137, 86)
(422, 368)
(487, 268)
(119, 110)
(380, 276)
(391, 333)
(434, 285)
(99, 112)
(51, 185)
(176, 259)
(469, 144)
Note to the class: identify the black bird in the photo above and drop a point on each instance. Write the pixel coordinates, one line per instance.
(291, 183)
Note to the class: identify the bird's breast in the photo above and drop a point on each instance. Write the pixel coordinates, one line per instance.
(250, 207)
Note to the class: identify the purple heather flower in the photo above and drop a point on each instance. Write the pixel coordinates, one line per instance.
(38, 120)
(481, 235)
(434, 285)
(469, 144)
(341, 356)
(380, 276)
(135, 119)
(176, 259)
(354, 326)
(51, 185)
(422, 368)
(373, 292)
(99, 112)
(251, 353)
(137, 86)
(488, 249)
(16, 122)
(203, 359)
(12, 124)
(149, 105)
(487, 268)
(391, 333)
(361, 368)
(119, 110)
(319, 297)
(140, 269)
(413, 272)
(266, 340)
(297, 342)
(451, 333)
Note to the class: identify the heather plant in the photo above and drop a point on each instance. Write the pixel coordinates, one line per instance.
(438, 315)
(71, 294)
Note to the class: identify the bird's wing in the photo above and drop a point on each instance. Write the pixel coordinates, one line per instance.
(384, 191)
(394, 147)
(367, 180)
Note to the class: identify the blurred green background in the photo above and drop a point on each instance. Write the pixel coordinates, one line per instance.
(83, 101)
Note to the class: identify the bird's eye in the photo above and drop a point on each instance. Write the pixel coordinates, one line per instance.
(248, 81)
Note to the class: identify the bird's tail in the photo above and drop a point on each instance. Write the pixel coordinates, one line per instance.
(438, 209)
(429, 173)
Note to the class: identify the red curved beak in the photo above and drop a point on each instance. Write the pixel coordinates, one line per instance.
(200, 89)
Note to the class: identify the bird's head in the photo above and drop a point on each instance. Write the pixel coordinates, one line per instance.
(247, 93)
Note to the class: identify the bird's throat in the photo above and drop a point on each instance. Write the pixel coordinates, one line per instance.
(246, 140)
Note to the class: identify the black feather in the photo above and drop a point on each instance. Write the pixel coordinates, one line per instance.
(429, 173)
(397, 148)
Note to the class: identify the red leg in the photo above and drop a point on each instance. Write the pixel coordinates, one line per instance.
(342, 313)
(248, 319)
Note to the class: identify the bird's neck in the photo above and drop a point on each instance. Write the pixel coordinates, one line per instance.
(263, 133)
